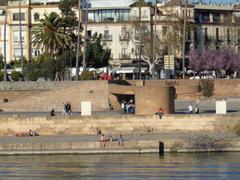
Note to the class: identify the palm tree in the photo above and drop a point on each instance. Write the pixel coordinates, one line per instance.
(50, 35)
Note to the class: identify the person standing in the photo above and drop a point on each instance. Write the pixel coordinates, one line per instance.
(190, 108)
(123, 107)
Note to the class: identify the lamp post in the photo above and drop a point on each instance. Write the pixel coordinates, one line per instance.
(5, 46)
(184, 38)
(154, 39)
(30, 30)
(78, 40)
(85, 34)
(20, 32)
(139, 39)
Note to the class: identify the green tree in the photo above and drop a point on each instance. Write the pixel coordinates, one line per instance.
(50, 35)
(69, 18)
(97, 55)
(1, 62)
(43, 66)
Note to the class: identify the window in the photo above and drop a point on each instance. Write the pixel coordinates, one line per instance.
(16, 16)
(36, 17)
(228, 34)
(89, 33)
(206, 35)
(144, 14)
(196, 39)
(238, 36)
(217, 34)
(216, 17)
(205, 17)
(16, 38)
(106, 32)
(36, 52)
(124, 51)
(164, 30)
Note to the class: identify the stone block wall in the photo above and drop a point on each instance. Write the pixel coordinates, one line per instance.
(39, 97)
(9, 126)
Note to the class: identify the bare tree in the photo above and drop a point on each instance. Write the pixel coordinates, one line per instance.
(142, 31)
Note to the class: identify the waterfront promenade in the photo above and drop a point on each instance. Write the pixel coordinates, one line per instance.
(141, 134)
(90, 144)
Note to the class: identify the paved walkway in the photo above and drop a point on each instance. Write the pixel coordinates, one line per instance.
(206, 106)
(95, 138)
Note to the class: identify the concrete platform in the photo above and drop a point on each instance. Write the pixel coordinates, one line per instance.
(90, 144)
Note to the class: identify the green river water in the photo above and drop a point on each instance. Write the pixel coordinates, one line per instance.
(122, 166)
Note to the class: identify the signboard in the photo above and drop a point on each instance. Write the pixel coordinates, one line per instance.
(221, 107)
(169, 62)
(86, 108)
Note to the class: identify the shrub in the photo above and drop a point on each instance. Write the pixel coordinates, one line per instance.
(87, 75)
(1, 75)
(206, 142)
(16, 76)
(207, 87)
(32, 71)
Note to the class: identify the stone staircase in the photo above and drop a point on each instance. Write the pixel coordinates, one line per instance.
(117, 124)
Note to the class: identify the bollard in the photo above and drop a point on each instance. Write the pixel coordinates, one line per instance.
(161, 148)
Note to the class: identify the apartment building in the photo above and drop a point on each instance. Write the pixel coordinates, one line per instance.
(212, 26)
(29, 14)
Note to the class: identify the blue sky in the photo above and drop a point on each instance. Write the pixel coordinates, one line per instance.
(219, 1)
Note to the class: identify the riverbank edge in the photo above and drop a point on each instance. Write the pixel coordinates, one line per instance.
(132, 147)
(126, 151)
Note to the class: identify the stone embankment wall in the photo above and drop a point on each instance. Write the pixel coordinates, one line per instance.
(43, 96)
(9, 126)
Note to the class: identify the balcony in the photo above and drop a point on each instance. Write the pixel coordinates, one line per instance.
(124, 56)
(218, 41)
(123, 37)
(107, 37)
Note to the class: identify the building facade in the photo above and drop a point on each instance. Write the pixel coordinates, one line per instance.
(209, 26)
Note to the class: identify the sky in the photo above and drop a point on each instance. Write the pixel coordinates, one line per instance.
(215, 1)
(219, 1)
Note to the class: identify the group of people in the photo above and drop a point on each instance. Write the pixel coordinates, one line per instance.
(67, 109)
(30, 133)
(128, 107)
(191, 110)
(104, 139)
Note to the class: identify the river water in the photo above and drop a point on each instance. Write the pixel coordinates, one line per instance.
(122, 166)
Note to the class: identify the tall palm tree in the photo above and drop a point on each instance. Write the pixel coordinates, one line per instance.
(50, 35)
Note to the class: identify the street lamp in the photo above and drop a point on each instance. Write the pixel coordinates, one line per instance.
(85, 33)
(20, 31)
(78, 40)
(5, 46)
(154, 39)
(184, 38)
(139, 39)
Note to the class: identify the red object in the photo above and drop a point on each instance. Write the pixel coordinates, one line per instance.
(105, 76)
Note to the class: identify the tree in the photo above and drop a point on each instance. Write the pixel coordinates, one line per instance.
(217, 60)
(142, 31)
(97, 56)
(68, 17)
(50, 35)
(43, 66)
